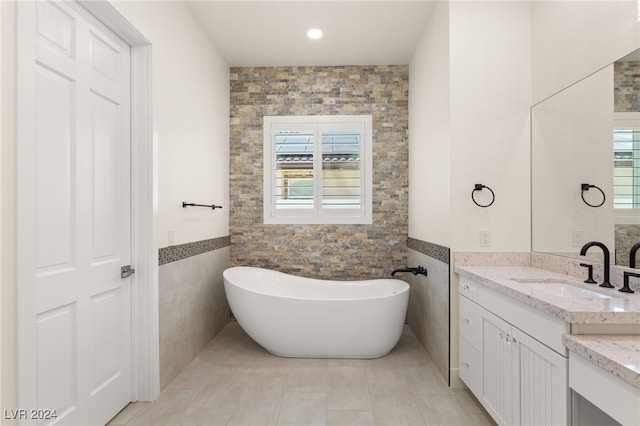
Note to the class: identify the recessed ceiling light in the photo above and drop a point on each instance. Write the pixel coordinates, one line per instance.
(314, 33)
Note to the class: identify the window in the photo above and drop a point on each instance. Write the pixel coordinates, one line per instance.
(626, 178)
(317, 169)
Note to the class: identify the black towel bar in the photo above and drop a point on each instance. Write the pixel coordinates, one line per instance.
(212, 206)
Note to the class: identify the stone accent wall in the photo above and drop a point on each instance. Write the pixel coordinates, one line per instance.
(626, 86)
(320, 251)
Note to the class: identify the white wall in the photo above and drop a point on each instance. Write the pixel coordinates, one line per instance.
(490, 78)
(429, 145)
(191, 121)
(469, 100)
(469, 106)
(191, 110)
(572, 39)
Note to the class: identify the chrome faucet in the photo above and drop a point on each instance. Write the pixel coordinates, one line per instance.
(632, 255)
(605, 250)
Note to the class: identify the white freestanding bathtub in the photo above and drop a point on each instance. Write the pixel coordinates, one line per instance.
(303, 317)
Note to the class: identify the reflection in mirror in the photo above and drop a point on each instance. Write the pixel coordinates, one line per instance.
(588, 133)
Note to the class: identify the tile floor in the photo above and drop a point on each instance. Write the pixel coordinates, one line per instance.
(233, 381)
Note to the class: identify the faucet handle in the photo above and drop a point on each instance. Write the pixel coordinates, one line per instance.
(625, 288)
(590, 279)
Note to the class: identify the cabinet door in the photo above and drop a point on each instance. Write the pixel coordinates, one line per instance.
(470, 325)
(497, 368)
(469, 364)
(542, 380)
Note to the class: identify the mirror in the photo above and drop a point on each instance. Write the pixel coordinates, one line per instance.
(588, 133)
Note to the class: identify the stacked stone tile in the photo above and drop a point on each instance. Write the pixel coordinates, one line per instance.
(627, 86)
(321, 251)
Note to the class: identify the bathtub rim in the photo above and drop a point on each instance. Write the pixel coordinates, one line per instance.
(404, 286)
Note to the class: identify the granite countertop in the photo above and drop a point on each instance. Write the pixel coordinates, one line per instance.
(517, 282)
(616, 354)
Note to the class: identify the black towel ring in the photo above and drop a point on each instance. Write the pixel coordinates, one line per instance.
(480, 187)
(585, 187)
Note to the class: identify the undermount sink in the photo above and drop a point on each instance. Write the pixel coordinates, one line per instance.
(567, 290)
(562, 289)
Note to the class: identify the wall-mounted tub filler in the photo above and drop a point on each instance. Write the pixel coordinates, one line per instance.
(415, 271)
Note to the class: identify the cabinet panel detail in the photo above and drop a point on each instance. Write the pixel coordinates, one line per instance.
(497, 389)
(542, 382)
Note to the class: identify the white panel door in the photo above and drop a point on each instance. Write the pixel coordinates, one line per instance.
(74, 206)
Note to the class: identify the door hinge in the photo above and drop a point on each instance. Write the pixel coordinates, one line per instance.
(126, 271)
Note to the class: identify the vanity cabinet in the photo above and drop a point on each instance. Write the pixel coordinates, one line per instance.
(515, 376)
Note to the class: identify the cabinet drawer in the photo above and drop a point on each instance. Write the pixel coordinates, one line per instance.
(468, 288)
(470, 322)
(469, 366)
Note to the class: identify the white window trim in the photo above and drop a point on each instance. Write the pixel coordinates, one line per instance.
(317, 216)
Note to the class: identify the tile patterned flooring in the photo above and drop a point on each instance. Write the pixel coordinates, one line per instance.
(233, 381)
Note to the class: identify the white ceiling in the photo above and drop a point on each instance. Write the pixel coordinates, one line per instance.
(273, 33)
